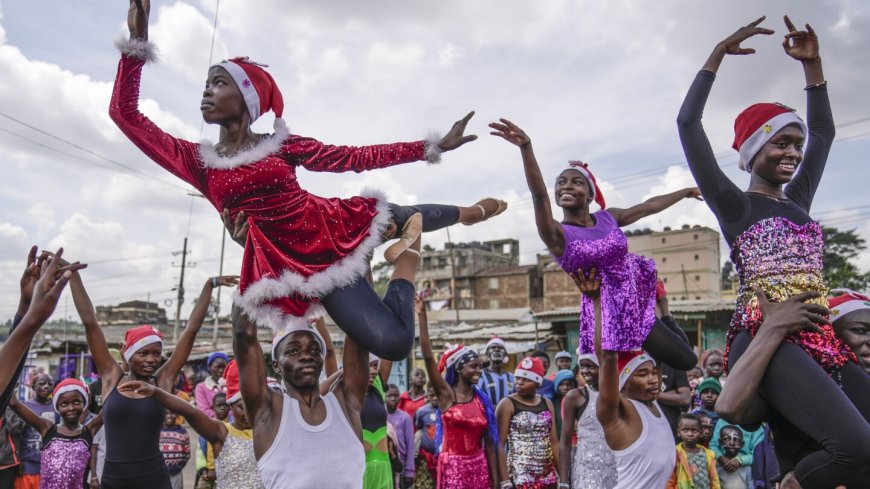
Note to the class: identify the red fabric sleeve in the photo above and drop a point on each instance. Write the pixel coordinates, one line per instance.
(316, 156)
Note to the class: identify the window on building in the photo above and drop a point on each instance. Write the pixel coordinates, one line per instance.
(683, 298)
(664, 259)
(697, 278)
(665, 280)
(494, 304)
(697, 297)
(695, 236)
(697, 257)
(493, 283)
(663, 240)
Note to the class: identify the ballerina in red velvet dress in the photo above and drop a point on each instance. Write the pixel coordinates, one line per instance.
(303, 253)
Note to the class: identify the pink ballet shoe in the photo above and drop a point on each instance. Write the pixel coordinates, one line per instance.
(412, 230)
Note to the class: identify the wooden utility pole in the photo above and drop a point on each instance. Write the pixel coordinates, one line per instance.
(180, 298)
(453, 289)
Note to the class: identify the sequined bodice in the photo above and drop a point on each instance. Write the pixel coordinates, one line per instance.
(594, 466)
(266, 188)
(64, 460)
(236, 467)
(464, 427)
(529, 452)
(603, 246)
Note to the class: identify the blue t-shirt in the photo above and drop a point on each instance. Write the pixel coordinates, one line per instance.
(547, 389)
(31, 440)
(424, 421)
(496, 386)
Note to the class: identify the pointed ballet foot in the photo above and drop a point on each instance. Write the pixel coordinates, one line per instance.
(489, 207)
(412, 230)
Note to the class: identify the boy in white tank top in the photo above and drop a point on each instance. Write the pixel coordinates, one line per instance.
(302, 439)
(635, 428)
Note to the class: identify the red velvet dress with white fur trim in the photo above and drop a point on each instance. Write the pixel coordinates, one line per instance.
(300, 246)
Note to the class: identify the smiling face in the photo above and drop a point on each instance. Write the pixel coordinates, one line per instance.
(222, 100)
(854, 330)
(643, 385)
(589, 372)
(572, 190)
(169, 419)
(300, 359)
(779, 158)
(42, 386)
(70, 406)
(145, 362)
(470, 372)
(496, 353)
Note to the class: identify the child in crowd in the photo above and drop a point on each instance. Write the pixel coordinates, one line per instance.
(415, 397)
(425, 420)
(66, 446)
(708, 391)
(706, 429)
(547, 388)
(732, 473)
(403, 427)
(714, 365)
(220, 407)
(695, 376)
(175, 447)
(696, 465)
(563, 361)
(746, 455)
(565, 381)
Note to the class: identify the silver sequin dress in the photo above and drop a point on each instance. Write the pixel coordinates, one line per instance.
(235, 467)
(594, 466)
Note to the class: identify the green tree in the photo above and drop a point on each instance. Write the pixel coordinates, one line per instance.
(841, 249)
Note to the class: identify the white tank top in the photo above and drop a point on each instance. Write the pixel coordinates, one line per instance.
(329, 455)
(649, 461)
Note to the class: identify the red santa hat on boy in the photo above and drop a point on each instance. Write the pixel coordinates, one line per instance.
(139, 337)
(754, 127)
(583, 168)
(628, 362)
(231, 378)
(848, 301)
(69, 385)
(259, 90)
(531, 368)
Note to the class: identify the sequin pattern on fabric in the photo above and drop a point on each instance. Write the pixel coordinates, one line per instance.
(64, 460)
(462, 462)
(627, 284)
(784, 259)
(594, 466)
(529, 452)
(236, 467)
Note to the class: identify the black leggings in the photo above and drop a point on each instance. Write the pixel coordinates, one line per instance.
(805, 396)
(385, 327)
(668, 343)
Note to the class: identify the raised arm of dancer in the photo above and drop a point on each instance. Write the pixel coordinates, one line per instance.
(803, 46)
(330, 359)
(442, 389)
(35, 421)
(739, 402)
(175, 155)
(654, 205)
(108, 369)
(725, 199)
(608, 405)
(355, 381)
(316, 156)
(46, 293)
(168, 373)
(503, 414)
(549, 230)
(259, 400)
(26, 283)
(211, 429)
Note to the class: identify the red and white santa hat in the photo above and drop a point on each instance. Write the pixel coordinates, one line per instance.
(628, 362)
(848, 301)
(531, 368)
(231, 379)
(259, 90)
(454, 354)
(292, 327)
(583, 168)
(139, 337)
(754, 127)
(69, 385)
(495, 340)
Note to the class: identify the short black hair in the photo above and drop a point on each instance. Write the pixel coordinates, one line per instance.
(393, 386)
(689, 417)
(540, 354)
(730, 427)
(218, 394)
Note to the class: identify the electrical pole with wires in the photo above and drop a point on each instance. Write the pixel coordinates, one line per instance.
(180, 297)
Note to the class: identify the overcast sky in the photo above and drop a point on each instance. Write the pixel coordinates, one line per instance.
(598, 81)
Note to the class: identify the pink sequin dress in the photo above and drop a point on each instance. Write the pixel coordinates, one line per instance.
(299, 246)
(462, 462)
(628, 284)
(64, 459)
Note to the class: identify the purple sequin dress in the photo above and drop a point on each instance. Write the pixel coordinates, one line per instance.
(64, 459)
(783, 259)
(628, 284)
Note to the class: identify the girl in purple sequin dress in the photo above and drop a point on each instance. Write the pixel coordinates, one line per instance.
(66, 448)
(586, 240)
(812, 381)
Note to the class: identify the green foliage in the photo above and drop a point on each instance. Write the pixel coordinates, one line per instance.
(841, 249)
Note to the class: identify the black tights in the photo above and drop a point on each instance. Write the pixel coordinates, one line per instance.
(667, 343)
(385, 327)
(804, 396)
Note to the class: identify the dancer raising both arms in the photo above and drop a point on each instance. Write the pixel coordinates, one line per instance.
(586, 240)
(466, 433)
(301, 250)
(777, 248)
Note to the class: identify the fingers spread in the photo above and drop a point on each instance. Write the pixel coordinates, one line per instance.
(789, 24)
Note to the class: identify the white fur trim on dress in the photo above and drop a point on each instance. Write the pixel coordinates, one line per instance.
(340, 274)
(271, 144)
(138, 48)
(433, 150)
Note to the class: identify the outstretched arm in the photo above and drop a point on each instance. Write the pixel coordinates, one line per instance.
(27, 282)
(330, 360)
(656, 204)
(549, 230)
(355, 380)
(35, 421)
(168, 373)
(211, 429)
(108, 369)
(442, 389)
(739, 402)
